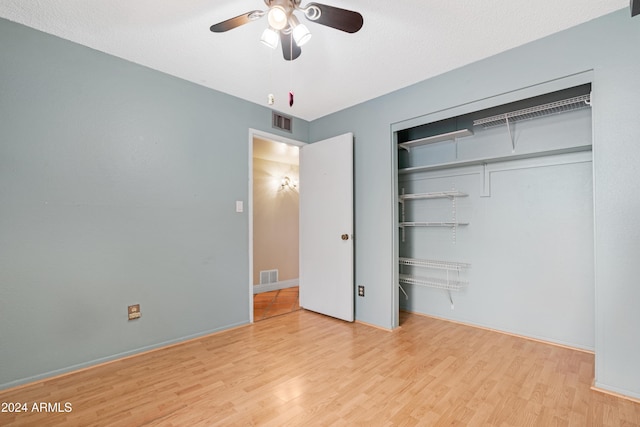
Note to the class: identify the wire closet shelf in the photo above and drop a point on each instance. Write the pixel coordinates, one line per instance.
(556, 107)
(439, 265)
(447, 283)
(432, 282)
(432, 195)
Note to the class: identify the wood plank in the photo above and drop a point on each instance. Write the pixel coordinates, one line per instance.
(306, 369)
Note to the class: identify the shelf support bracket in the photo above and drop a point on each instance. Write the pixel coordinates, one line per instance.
(511, 136)
(404, 292)
(486, 181)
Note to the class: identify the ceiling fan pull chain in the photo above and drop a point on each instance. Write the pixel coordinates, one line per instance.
(291, 73)
(271, 99)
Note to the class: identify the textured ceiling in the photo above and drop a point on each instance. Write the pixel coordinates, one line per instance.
(401, 42)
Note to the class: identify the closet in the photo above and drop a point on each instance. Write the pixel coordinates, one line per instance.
(495, 217)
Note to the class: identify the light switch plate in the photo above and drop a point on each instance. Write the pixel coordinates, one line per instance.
(239, 206)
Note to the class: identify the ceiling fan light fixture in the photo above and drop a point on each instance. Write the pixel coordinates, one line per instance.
(270, 38)
(300, 32)
(278, 17)
(284, 28)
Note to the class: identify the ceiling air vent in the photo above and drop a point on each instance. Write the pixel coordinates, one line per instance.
(282, 122)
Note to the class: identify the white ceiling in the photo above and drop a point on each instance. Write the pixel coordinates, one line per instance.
(401, 42)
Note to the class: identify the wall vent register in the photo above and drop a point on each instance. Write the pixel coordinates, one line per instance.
(268, 276)
(282, 122)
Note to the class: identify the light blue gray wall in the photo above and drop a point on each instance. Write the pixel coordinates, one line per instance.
(609, 47)
(117, 186)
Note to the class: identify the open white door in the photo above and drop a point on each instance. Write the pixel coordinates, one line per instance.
(326, 227)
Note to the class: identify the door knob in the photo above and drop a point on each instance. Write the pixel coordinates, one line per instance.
(345, 237)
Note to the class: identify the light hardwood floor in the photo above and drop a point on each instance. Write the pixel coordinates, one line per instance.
(275, 303)
(304, 369)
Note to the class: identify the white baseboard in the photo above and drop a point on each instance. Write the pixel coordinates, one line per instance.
(267, 287)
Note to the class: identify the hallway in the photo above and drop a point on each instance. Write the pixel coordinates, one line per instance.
(275, 303)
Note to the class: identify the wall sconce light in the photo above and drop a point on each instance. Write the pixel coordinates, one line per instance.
(288, 183)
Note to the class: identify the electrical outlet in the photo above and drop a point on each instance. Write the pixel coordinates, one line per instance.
(360, 290)
(134, 311)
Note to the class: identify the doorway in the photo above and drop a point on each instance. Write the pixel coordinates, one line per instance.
(273, 225)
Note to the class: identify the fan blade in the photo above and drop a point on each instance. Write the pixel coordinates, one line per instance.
(290, 50)
(239, 20)
(340, 19)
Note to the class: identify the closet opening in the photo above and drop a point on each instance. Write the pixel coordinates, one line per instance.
(495, 217)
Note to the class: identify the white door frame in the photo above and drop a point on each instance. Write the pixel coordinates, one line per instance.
(271, 137)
